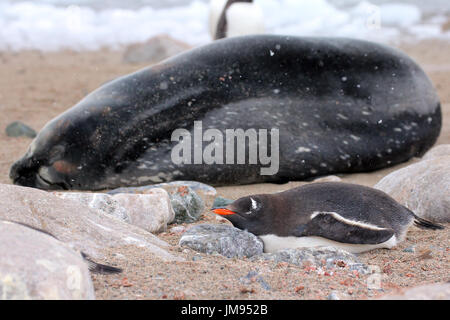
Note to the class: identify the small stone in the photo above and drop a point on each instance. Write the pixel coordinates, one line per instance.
(333, 296)
(18, 129)
(360, 268)
(253, 276)
(178, 229)
(223, 239)
(411, 249)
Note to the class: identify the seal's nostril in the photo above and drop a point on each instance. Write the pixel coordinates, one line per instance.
(22, 172)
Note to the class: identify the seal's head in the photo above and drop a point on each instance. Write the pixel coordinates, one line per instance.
(93, 144)
(48, 164)
(80, 148)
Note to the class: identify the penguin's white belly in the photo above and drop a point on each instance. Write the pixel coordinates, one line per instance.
(273, 243)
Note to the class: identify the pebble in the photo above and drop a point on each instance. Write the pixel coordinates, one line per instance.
(254, 276)
(333, 296)
(18, 129)
(411, 249)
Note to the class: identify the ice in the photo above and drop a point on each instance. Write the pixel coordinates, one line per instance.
(54, 25)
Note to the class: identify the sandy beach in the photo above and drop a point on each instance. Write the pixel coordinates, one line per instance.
(35, 87)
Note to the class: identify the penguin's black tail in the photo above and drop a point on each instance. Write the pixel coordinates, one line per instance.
(425, 224)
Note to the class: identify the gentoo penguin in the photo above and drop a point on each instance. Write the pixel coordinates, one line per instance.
(348, 216)
(231, 18)
(92, 265)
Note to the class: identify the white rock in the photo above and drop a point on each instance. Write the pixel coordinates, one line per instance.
(436, 291)
(87, 230)
(34, 265)
(423, 187)
(438, 151)
(151, 211)
(98, 201)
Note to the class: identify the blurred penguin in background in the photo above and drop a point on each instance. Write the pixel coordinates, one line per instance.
(231, 18)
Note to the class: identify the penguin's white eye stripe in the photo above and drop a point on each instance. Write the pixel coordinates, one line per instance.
(347, 221)
(254, 204)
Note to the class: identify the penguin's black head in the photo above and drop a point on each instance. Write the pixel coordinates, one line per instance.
(250, 213)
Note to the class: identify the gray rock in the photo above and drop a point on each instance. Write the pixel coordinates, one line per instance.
(223, 239)
(423, 187)
(187, 205)
(436, 291)
(87, 230)
(315, 256)
(438, 151)
(221, 202)
(34, 265)
(410, 249)
(18, 129)
(154, 50)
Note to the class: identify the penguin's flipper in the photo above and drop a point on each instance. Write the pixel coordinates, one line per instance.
(335, 227)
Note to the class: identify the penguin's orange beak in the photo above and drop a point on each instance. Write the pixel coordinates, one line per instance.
(223, 211)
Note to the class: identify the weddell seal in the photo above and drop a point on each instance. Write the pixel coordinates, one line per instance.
(331, 105)
(348, 216)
